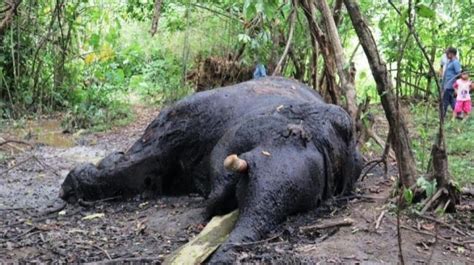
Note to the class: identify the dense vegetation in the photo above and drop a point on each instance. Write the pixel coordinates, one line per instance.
(93, 59)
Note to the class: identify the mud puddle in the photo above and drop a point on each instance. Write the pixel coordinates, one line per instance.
(45, 132)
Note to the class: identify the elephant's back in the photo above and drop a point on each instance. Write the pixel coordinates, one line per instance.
(257, 93)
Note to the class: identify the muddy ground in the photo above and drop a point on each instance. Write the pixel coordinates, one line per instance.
(35, 226)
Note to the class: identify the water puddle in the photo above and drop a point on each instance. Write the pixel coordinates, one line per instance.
(48, 132)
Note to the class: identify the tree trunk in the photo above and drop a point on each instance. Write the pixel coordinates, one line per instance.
(329, 89)
(156, 17)
(400, 139)
(337, 10)
(335, 48)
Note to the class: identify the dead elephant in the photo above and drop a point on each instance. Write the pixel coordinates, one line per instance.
(285, 151)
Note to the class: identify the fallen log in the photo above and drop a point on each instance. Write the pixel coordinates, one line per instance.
(203, 245)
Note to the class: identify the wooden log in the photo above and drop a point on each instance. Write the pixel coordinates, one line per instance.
(203, 245)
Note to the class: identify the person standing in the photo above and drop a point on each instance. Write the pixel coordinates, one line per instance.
(260, 71)
(451, 73)
(444, 61)
(463, 100)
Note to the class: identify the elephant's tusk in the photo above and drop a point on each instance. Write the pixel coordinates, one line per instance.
(235, 164)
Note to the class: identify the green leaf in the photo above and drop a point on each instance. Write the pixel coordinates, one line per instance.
(250, 9)
(423, 10)
(428, 186)
(408, 195)
(94, 41)
(244, 38)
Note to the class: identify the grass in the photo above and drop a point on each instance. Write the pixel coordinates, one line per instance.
(422, 119)
(459, 141)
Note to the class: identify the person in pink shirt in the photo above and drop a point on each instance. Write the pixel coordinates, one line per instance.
(462, 87)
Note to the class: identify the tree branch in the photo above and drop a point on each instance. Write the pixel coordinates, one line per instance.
(293, 17)
(11, 11)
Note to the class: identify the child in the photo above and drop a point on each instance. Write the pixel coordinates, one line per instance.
(462, 87)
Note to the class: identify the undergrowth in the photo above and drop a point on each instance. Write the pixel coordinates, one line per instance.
(459, 141)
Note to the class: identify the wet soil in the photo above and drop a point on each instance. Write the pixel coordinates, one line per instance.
(35, 226)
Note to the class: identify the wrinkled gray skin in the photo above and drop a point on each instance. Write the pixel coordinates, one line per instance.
(312, 156)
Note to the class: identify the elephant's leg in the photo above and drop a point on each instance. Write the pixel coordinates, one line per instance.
(222, 198)
(288, 181)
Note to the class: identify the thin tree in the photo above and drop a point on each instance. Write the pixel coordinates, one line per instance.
(439, 156)
(156, 17)
(330, 47)
(337, 51)
(400, 139)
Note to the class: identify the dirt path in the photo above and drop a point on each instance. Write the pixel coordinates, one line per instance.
(150, 229)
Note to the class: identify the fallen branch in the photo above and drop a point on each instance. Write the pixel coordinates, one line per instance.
(255, 242)
(431, 234)
(372, 164)
(16, 165)
(358, 196)
(92, 203)
(46, 166)
(41, 163)
(103, 250)
(203, 245)
(379, 220)
(452, 227)
(344, 222)
(8, 141)
(39, 219)
(432, 200)
(128, 260)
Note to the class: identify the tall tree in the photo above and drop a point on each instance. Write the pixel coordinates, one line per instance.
(398, 130)
(439, 156)
(331, 49)
(337, 51)
(321, 45)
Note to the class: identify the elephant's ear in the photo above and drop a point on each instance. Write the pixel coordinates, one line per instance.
(342, 123)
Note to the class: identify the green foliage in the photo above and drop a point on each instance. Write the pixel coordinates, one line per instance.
(439, 24)
(94, 107)
(428, 186)
(425, 11)
(160, 81)
(98, 58)
(408, 196)
(459, 141)
(91, 58)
